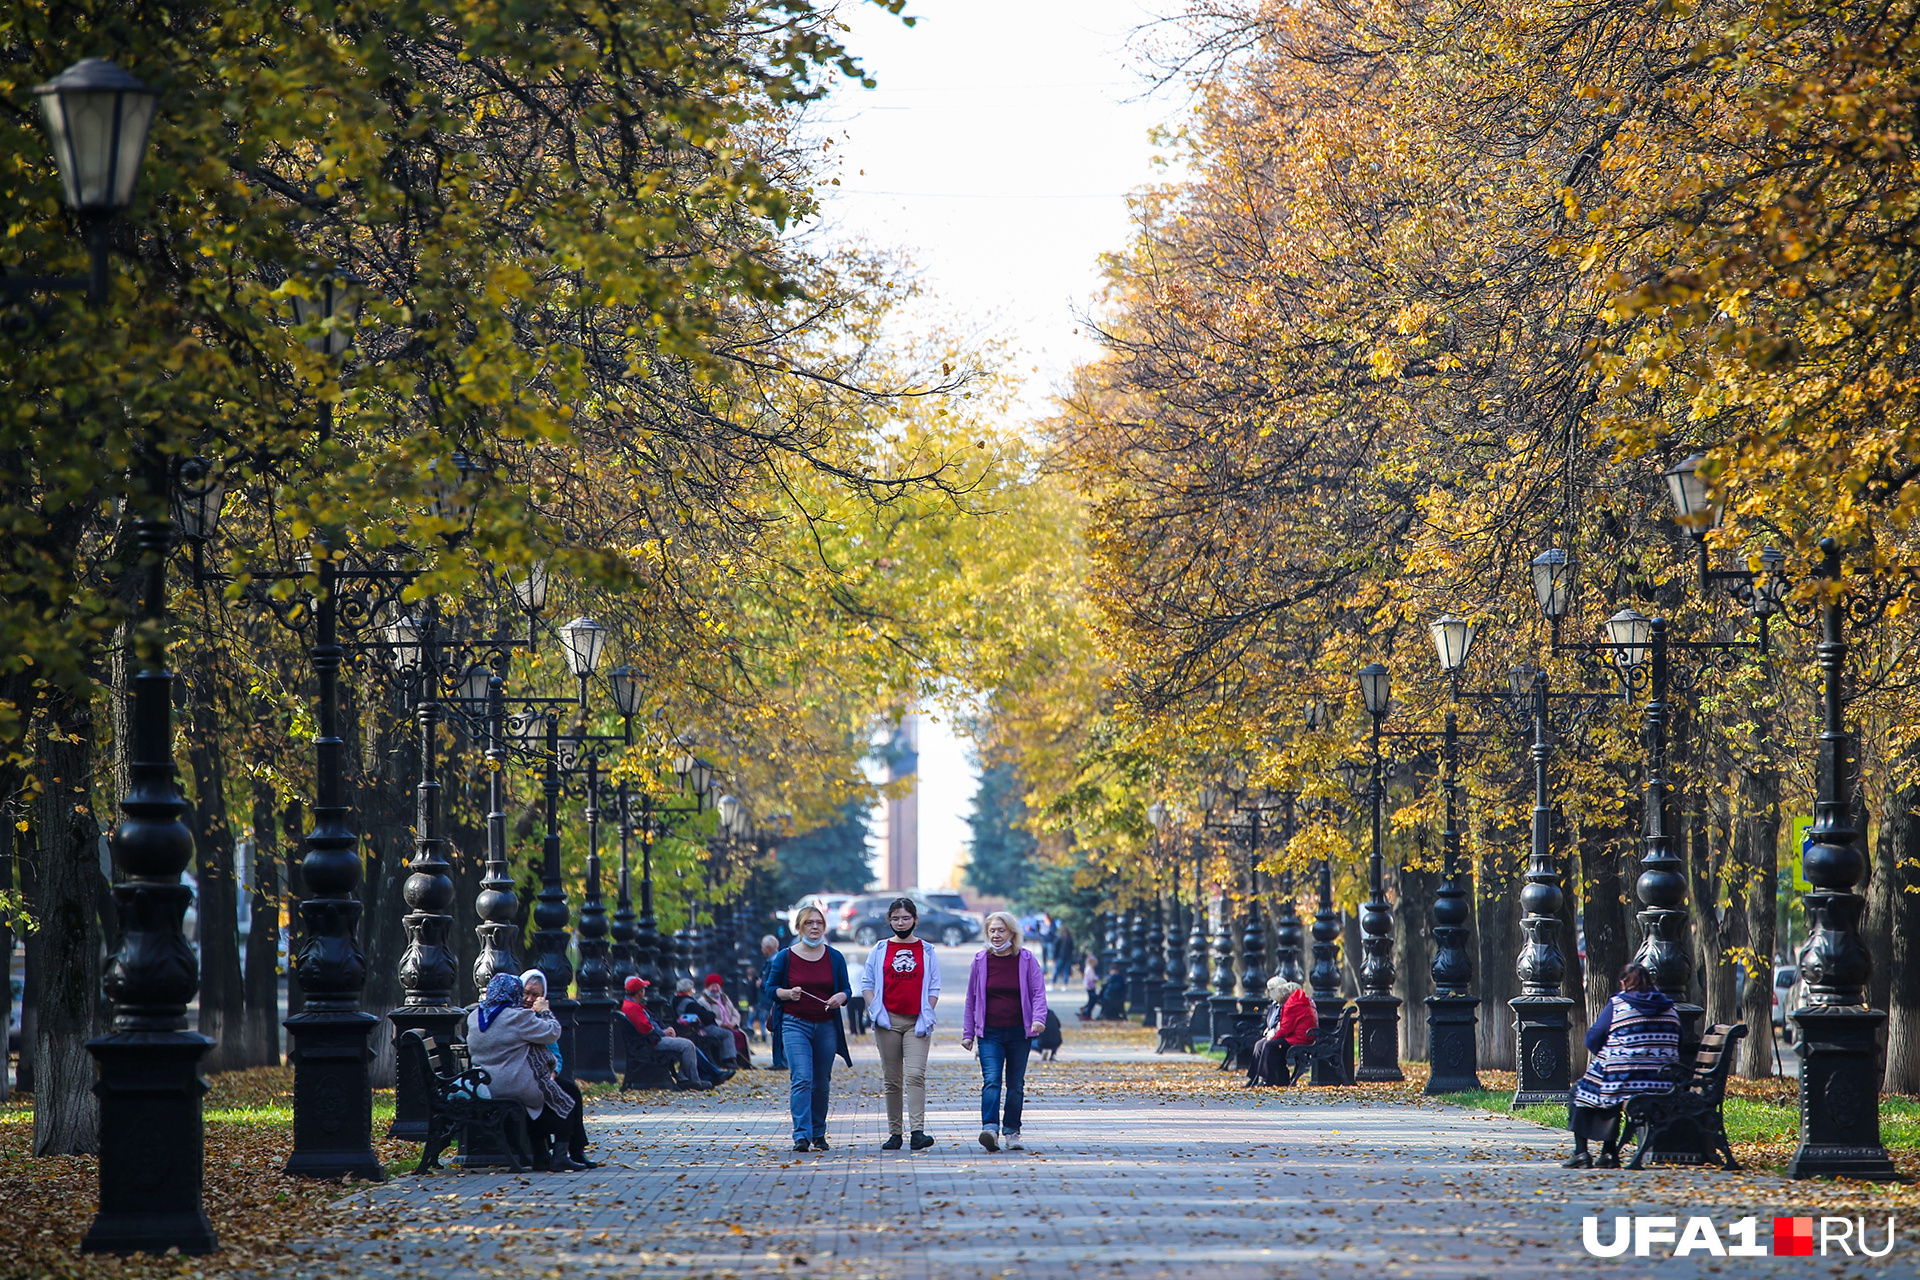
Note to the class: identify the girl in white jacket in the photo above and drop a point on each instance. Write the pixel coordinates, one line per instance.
(901, 984)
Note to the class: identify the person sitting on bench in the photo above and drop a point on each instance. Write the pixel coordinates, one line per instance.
(513, 1043)
(1635, 1043)
(635, 1008)
(1113, 997)
(694, 1020)
(1290, 1020)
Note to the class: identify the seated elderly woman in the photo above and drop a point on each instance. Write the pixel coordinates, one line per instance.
(728, 1017)
(1290, 1020)
(509, 1039)
(693, 1019)
(570, 1125)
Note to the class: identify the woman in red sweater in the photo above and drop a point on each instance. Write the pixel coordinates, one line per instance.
(1291, 1020)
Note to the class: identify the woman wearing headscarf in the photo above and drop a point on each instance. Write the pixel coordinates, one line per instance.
(569, 1125)
(809, 979)
(1006, 1008)
(728, 1016)
(1291, 1019)
(1635, 1043)
(503, 1034)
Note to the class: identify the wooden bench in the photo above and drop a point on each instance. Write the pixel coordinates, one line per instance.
(1328, 1048)
(1176, 1032)
(487, 1130)
(648, 1066)
(1685, 1125)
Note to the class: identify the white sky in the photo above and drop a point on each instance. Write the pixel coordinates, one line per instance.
(997, 151)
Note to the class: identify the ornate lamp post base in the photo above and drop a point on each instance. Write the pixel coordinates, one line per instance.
(1329, 1009)
(1840, 1095)
(152, 1138)
(1545, 1064)
(1455, 1049)
(332, 1096)
(409, 1091)
(1220, 1011)
(592, 1059)
(1379, 1038)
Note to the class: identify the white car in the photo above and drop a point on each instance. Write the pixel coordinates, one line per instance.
(827, 902)
(1786, 980)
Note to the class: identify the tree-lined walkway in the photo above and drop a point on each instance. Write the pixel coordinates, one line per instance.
(1136, 1170)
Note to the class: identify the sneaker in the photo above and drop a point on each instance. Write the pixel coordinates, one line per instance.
(1014, 1143)
(819, 1144)
(921, 1141)
(800, 1144)
(989, 1139)
(892, 1143)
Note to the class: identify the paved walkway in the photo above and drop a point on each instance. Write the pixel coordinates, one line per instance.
(1129, 1175)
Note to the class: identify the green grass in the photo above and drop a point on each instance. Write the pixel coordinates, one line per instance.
(1747, 1120)
(281, 1116)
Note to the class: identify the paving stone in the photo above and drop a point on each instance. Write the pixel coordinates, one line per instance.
(1269, 1183)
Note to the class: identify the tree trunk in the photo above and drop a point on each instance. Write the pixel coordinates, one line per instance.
(222, 988)
(1573, 985)
(1880, 890)
(262, 974)
(1900, 844)
(1413, 958)
(1496, 928)
(292, 822)
(7, 830)
(1760, 845)
(1605, 853)
(385, 802)
(67, 950)
(1350, 949)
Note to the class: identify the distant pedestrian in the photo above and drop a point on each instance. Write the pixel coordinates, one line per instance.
(901, 985)
(762, 1007)
(1063, 957)
(809, 979)
(1635, 1043)
(1090, 970)
(1006, 1008)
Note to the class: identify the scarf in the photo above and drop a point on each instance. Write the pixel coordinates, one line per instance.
(545, 986)
(504, 991)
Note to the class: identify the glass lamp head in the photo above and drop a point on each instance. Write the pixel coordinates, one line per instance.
(1631, 631)
(1376, 688)
(1553, 583)
(1453, 641)
(97, 116)
(583, 639)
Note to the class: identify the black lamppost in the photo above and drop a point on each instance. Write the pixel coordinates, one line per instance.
(1640, 650)
(1199, 1011)
(1221, 1006)
(593, 1019)
(622, 963)
(150, 1088)
(1136, 942)
(1840, 1072)
(497, 904)
(1288, 935)
(1379, 1007)
(1173, 961)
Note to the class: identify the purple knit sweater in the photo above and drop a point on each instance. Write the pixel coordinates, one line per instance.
(1033, 993)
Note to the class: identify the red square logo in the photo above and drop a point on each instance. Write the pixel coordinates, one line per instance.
(1793, 1237)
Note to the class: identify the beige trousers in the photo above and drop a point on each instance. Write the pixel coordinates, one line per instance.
(903, 1062)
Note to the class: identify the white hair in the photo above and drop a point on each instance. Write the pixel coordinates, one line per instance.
(1013, 927)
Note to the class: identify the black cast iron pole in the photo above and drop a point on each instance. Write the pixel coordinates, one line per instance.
(426, 967)
(1379, 1007)
(1451, 1032)
(330, 1052)
(550, 913)
(1662, 886)
(1324, 977)
(152, 1134)
(1840, 1071)
(497, 904)
(1540, 1011)
(593, 1017)
(1287, 932)
(1198, 1009)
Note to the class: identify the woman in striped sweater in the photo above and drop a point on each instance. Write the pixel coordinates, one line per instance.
(1635, 1043)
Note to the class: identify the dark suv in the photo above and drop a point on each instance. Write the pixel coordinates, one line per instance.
(865, 921)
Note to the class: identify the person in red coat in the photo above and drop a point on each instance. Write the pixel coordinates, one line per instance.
(1291, 1020)
(635, 1009)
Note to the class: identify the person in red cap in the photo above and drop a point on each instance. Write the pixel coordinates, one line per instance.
(635, 1008)
(715, 998)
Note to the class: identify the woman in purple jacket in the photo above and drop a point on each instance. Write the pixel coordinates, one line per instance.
(1006, 1008)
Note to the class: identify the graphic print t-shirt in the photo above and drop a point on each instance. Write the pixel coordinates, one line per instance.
(901, 979)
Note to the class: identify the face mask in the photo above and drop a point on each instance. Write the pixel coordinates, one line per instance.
(1002, 948)
(904, 934)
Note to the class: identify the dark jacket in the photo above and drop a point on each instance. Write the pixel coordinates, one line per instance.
(775, 976)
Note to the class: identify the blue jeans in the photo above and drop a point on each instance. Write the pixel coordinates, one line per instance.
(1003, 1050)
(810, 1047)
